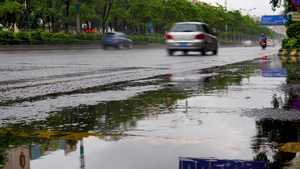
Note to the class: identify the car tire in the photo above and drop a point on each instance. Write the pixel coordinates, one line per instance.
(170, 52)
(120, 46)
(215, 52)
(185, 52)
(203, 51)
(130, 46)
(104, 47)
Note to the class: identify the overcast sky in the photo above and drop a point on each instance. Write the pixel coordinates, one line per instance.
(262, 6)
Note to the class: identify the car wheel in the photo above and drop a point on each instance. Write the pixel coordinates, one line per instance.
(104, 47)
(130, 46)
(185, 52)
(170, 52)
(215, 52)
(203, 51)
(120, 46)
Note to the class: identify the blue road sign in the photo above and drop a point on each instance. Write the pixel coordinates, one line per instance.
(150, 26)
(274, 19)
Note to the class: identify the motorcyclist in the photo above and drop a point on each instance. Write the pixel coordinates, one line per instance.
(263, 40)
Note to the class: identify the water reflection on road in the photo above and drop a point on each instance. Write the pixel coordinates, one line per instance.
(198, 114)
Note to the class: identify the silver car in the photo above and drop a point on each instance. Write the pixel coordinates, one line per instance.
(270, 42)
(191, 36)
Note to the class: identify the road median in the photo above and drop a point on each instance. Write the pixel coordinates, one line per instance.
(289, 55)
(64, 47)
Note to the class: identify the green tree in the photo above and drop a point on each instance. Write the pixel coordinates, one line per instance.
(288, 6)
(102, 9)
(10, 11)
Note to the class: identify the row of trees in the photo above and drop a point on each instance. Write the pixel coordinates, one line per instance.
(293, 27)
(130, 16)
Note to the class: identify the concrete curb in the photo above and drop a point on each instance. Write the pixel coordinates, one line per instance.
(289, 52)
(289, 55)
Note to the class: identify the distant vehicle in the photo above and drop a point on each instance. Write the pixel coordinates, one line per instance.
(248, 43)
(117, 40)
(191, 36)
(270, 42)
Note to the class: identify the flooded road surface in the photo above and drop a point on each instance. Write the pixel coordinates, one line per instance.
(234, 115)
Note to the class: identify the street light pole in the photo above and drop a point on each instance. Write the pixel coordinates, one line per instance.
(226, 22)
(247, 10)
(78, 17)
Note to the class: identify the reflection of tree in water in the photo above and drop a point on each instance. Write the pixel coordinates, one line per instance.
(116, 117)
(3, 159)
(271, 131)
(276, 101)
(8, 141)
(292, 87)
(293, 75)
(72, 143)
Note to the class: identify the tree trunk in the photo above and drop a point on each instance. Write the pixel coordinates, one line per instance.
(67, 15)
(116, 24)
(53, 27)
(48, 21)
(104, 20)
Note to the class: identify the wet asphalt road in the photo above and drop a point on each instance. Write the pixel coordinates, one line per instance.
(136, 108)
(27, 76)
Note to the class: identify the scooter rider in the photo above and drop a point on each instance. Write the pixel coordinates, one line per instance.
(263, 40)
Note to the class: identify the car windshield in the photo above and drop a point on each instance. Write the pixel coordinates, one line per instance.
(184, 28)
(109, 35)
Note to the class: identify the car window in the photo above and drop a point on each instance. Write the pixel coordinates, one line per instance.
(109, 35)
(200, 28)
(207, 29)
(123, 36)
(184, 28)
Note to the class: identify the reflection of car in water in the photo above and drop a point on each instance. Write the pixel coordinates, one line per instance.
(270, 42)
(191, 36)
(188, 80)
(116, 40)
(248, 43)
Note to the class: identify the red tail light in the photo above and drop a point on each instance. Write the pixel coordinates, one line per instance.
(169, 37)
(200, 36)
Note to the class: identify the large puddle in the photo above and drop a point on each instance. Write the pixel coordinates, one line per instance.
(234, 116)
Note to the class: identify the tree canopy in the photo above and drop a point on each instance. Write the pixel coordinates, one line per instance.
(287, 4)
(129, 16)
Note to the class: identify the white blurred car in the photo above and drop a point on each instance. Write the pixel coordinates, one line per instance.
(270, 42)
(191, 36)
(248, 43)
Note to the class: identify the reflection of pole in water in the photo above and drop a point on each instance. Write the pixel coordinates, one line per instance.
(82, 163)
(186, 105)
